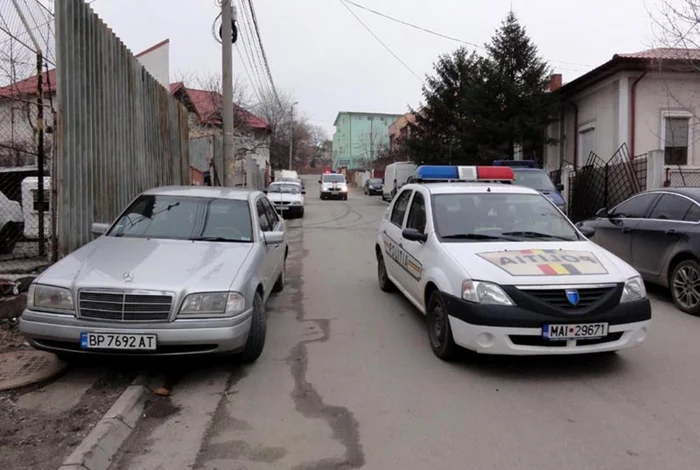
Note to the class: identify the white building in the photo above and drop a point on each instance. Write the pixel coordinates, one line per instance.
(647, 100)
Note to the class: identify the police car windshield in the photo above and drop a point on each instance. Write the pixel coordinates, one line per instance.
(333, 178)
(493, 216)
(535, 179)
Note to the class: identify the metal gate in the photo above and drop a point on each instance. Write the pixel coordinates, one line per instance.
(600, 183)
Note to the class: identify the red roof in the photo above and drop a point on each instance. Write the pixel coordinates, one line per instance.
(663, 53)
(207, 104)
(28, 86)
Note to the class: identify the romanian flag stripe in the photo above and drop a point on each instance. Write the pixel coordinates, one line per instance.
(571, 268)
(547, 269)
(554, 269)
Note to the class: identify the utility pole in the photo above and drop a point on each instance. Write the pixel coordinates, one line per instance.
(291, 137)
(227, 91)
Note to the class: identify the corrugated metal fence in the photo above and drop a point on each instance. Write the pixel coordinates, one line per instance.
(120, 132)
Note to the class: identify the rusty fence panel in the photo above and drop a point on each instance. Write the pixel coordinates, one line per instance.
(120, 132)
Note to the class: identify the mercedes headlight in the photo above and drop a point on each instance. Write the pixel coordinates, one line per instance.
(43, 297)
(634, 290)
(484, 293)
(205, 304)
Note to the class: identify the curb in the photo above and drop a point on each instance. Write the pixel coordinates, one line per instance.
(100, 446)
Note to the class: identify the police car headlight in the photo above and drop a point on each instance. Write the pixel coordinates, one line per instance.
(484, 293)
(345, 189)
(634, 290)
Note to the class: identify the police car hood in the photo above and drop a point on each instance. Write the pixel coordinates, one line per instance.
(536, 263)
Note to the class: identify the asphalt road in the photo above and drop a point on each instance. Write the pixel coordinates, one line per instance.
(347, 380)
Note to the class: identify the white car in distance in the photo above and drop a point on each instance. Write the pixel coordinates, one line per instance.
(288, 198)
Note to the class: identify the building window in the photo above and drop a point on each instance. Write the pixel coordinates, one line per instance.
(586, 142)
(676, 139)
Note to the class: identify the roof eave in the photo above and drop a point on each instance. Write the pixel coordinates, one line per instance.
(625, 64)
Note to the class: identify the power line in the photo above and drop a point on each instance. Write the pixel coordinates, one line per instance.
(342, 2)
(262, 49)
(253, 53)
(435, 33)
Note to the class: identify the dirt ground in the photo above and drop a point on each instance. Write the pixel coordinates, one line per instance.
(31, 440)
(35, 441)
(9, 336)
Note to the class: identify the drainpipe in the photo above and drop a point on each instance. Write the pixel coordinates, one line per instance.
(575, 106)
(633, 111)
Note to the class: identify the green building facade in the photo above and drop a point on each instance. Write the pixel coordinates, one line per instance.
(359, 137)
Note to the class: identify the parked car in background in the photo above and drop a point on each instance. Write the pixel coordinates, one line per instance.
(183, 270)
(374, 186)
(658, 233)
(287, 197)
(333, 185)
(527, 174)
(398, 172)
(11, 224)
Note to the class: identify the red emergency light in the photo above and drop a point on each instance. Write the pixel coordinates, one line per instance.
(495, 173)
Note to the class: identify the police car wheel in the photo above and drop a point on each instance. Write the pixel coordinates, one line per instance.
(685, 286)
(439, 331)
(385, 283)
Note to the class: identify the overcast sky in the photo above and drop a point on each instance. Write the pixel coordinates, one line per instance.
(322, 55)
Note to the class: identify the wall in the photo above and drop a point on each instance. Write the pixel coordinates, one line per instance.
(658, 92)
(156, 60)
(119, 131)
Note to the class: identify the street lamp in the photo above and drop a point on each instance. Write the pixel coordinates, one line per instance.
(291, 136)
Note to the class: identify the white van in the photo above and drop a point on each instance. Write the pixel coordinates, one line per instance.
(399, 171)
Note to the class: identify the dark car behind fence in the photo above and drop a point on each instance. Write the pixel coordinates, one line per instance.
(603, 183)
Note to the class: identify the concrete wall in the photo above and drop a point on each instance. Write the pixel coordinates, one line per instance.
(156, 60)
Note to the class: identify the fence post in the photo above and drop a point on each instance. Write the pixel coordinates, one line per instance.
(655, 169)
(565, 175)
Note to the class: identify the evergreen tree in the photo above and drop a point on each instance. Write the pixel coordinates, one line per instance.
(445, 129)
(517, 81)
(478, 109)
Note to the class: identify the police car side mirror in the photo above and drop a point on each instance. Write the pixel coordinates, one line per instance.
(319, 181)
(560, 187)
(587, 231)
(414, 235)
(303, 191)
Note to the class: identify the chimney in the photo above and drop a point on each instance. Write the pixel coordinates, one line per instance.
(555, 81)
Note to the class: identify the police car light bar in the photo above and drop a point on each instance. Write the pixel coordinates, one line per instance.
(464, 173)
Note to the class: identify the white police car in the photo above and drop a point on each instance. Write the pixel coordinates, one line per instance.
(498, 269)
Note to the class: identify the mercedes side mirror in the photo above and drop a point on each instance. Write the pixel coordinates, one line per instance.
(602, 213)
(560, 187)
(587, 231)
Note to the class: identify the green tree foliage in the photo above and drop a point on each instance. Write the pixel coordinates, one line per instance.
(477, 109)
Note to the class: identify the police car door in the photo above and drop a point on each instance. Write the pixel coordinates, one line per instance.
(415, 250)
(394, 255)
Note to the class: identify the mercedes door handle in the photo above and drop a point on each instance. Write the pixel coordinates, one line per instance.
(671, 231)
(626, 230)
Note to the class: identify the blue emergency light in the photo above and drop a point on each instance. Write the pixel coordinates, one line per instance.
(516, 163)
(463, 173)
(437, 172)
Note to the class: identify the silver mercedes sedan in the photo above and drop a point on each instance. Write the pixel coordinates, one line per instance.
(183, 270)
